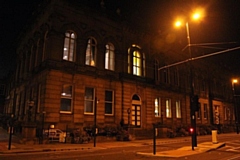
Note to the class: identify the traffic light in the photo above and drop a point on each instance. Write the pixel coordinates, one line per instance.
(195, 103)
(191, 130)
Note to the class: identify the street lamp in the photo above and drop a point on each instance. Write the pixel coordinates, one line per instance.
(234, 81)
(178, 23)
(11, 121)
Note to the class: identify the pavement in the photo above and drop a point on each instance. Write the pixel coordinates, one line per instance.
(17, 147)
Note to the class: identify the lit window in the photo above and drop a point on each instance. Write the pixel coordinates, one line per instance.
(109, 102)
(136, 61)
(69, 46)
(157, 107)
(66, 99)
(91, 52)
(89, 101)
(178, 110)
(109, 57)
(168, 108)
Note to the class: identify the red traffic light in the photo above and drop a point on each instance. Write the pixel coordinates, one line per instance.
(191, 130)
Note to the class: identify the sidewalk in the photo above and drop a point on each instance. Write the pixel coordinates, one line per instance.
(183, 151)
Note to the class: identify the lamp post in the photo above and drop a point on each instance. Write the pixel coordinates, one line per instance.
(95, 129)
(42, 130)
(11, 121)
(192, 98)
(234, 81)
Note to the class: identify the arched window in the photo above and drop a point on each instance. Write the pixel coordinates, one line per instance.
(69, 46)
(136, 61)
(91, 52)
(109, 56)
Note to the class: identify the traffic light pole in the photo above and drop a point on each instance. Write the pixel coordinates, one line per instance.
(192, 108)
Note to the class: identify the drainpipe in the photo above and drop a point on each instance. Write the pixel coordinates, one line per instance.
(122, 100)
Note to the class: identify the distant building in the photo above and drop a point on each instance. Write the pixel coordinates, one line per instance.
(3, 85)
(73, 57)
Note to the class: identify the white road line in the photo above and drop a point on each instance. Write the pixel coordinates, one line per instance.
(236, 157)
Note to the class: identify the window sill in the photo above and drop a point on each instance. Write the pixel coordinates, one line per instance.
(65, 112)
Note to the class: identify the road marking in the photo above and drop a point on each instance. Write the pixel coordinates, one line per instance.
(236, 157)
(235, 149)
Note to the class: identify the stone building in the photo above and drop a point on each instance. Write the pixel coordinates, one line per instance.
(73, 59)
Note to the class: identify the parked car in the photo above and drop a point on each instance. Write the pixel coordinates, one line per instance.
(54, 133)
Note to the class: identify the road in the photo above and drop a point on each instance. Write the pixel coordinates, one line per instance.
(230, 152)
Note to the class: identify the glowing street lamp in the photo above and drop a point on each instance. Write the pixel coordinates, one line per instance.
(234, 81)
(178, 23)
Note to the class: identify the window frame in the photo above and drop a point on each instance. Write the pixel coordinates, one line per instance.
(199, 112)
(109, 102)
(205, 111)
(157, 107)
(91, 52)
(109, 56)
(69, 46)
(136, 61)
(168, 107)
(178, 109)
(66, 97)
(86, 100)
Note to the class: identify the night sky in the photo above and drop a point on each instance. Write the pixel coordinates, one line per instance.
(221, 23)
(14, 14)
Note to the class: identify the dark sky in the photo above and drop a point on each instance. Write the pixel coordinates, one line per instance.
(14, 14)
(221, 23)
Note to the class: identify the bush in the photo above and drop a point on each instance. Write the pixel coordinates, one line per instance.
(122, 135)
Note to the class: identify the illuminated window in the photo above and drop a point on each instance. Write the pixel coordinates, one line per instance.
(157, 107)
(168, 108)
(66, 99)
(89, 101)
(91, 52)
(178, 110)
(109, 57)
(136, 61)
(109, 102)
(69, 46)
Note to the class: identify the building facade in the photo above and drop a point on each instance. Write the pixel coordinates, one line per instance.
(76, 63)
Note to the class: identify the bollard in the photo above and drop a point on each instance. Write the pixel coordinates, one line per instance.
(214, 136)
(154, 139)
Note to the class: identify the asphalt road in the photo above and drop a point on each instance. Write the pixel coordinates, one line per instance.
(230, 152)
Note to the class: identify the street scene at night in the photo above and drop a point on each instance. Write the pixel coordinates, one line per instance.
(120, 79)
